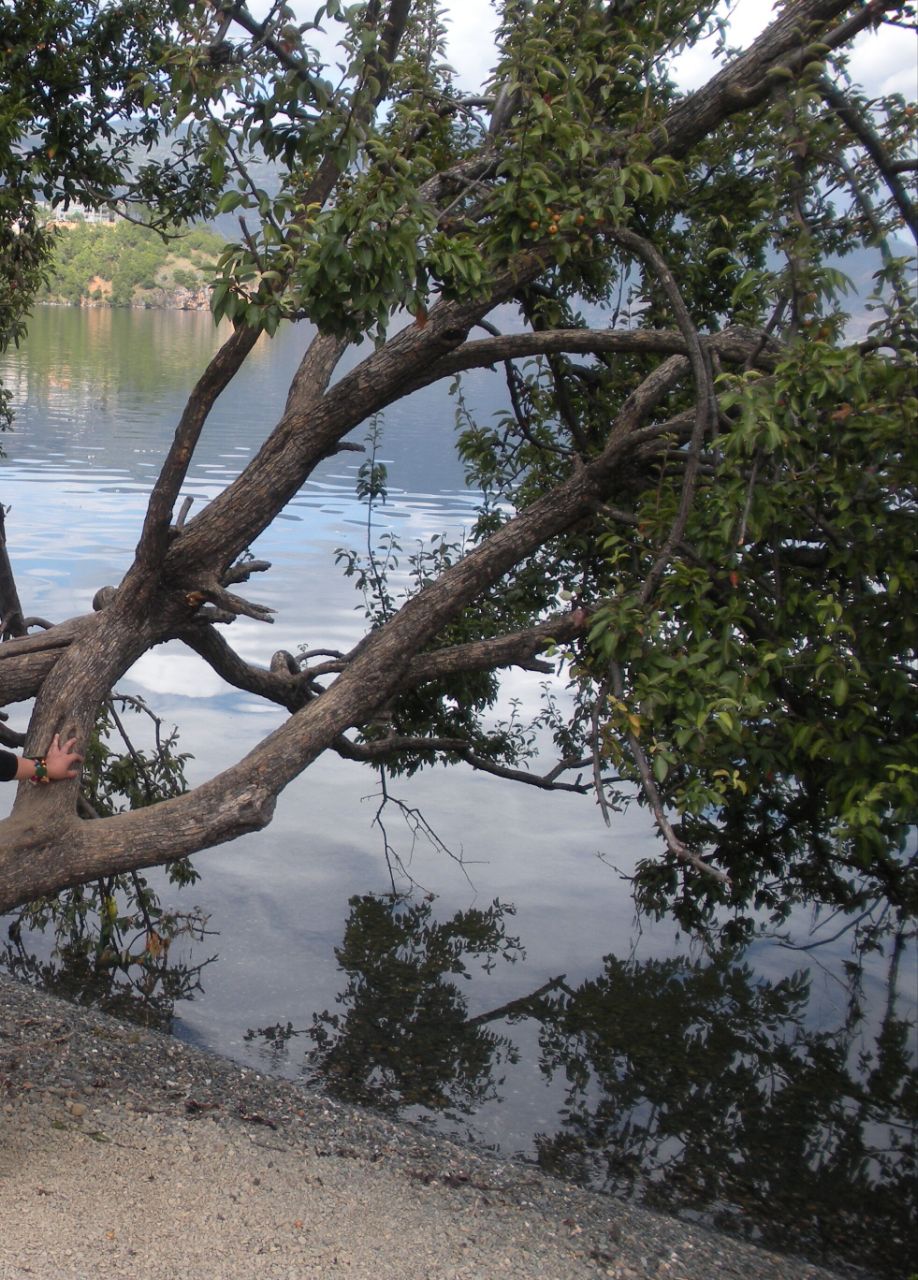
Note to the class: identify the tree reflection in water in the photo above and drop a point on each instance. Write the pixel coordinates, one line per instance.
(404, 1037)
(699, 1086)
(116, 960)
(694, 1085)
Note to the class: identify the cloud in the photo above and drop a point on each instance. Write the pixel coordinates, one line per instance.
(883, 62)
(181, 674)
(471, 27)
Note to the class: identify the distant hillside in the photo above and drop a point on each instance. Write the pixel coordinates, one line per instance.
(123, 265)
(120, 264)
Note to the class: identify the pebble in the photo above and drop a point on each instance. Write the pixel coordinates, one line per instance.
(305, 1187)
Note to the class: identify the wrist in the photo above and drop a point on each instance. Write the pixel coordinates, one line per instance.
(32, 769)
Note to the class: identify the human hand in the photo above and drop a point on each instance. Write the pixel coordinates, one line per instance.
(61, 761)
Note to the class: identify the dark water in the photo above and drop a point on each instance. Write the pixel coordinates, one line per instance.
(510, 998)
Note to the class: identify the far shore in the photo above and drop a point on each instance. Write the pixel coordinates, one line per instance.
(172, 300)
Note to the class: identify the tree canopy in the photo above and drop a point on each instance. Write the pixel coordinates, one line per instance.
(697, 515)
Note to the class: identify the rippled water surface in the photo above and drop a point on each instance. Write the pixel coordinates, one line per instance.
(550, 1026)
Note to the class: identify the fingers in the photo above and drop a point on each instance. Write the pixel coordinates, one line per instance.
(63, 758)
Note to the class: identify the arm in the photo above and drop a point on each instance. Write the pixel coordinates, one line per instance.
(58, 765)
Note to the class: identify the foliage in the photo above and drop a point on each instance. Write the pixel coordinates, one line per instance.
(703, 486)
(387, 575)
(131, 778)
(770, 679)
(122, 262)
(112, 938)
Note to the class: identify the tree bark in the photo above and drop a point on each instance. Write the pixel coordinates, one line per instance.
(44, 846)
(12, 623)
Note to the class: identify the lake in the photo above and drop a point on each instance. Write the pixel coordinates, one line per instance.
(768, 1093)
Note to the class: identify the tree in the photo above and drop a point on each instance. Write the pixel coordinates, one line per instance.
(700, 505)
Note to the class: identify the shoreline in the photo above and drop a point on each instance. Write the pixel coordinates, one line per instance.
(195, 302)
(126, 1151)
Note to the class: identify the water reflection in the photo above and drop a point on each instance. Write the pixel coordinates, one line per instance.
(98, 394)
(704, 1088)
(85, 359)
(696, 1085)
(121, 962)
(404, 1038)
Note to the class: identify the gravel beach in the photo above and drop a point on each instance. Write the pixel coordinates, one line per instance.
(126, 1154)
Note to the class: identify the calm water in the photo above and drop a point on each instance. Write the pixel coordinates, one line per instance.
(636, 1066)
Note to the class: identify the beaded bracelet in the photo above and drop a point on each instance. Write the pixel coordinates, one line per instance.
(41, 769)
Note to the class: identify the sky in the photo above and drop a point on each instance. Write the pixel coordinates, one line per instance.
(885, 61)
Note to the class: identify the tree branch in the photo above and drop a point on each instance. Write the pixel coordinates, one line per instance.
(516, 649)
(26, 662)
(651, 791)
(236, 12)
(704, 394)
(750, 78)
(735, 344)
(12, 623)
(154, 536)
(869, 139)
(379, 750)
(293, 688)
(276, 685)
(228, 603)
